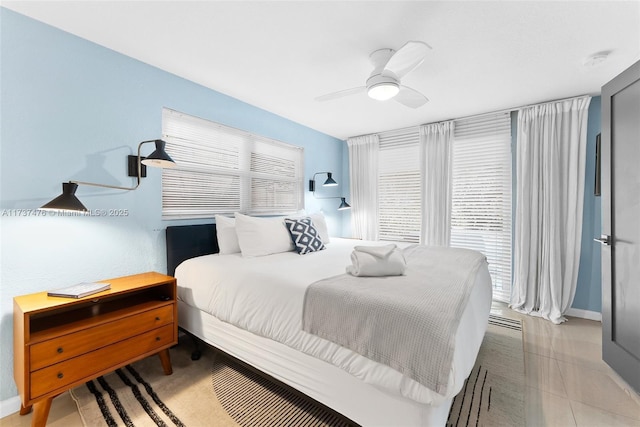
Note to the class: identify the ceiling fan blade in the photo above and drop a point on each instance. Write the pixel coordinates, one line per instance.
(407, 58)
(410, 97)
(341, 93)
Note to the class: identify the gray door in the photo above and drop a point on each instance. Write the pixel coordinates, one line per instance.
(621, 225)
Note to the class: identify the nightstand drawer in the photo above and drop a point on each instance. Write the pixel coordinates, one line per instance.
(65, 347)
(62, 375)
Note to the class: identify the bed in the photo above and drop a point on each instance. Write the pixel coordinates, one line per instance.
(259, 324)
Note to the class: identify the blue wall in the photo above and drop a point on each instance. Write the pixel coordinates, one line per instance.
(71, 109)
(589, 290)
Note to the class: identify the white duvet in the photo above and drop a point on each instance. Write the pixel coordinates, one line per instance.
(265, 296)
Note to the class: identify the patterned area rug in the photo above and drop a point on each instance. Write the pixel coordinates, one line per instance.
(255, 401)
(493, 395)
(141, 395)
(217, 391)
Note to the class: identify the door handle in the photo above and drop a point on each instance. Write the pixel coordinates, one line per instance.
(604, 239)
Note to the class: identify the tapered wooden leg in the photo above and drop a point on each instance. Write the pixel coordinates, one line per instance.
(24, 410)
(41, 412)
(165, 359)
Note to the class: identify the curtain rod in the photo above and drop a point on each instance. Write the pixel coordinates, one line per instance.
(553, 100)
(506, 110)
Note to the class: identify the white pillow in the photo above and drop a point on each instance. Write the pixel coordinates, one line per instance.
(262, 236)
(227, 237)
(321, 225)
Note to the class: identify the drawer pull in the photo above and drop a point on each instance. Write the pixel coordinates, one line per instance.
(158, 338)
(60, 375)
(59, 350)
(157, 317)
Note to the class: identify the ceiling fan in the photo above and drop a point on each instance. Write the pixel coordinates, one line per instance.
(389, 67)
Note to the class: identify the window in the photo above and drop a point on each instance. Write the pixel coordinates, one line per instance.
(222, 170)
(399, 211)
(481, 193)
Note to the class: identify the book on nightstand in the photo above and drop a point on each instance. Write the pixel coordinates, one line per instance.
(80, 290)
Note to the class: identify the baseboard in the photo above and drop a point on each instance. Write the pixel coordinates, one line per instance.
(584, 314)
(9, 406)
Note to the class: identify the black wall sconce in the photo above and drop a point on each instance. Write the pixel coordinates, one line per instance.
(67, 201)
(329, 182)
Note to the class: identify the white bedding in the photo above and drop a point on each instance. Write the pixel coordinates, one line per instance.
(264, 295)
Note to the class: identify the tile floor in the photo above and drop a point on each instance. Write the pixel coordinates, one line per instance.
(567, 382)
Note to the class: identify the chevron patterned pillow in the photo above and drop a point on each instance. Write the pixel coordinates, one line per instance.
(304, 235)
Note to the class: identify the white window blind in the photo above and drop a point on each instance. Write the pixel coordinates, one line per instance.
(222, 170)
(399, 210)
(481, 193)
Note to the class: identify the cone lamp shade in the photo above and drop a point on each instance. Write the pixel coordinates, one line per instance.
(67, 201)
(343, 204)
(159, 158)
(330, 182)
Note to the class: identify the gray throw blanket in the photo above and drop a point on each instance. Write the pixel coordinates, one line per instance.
(406, 322)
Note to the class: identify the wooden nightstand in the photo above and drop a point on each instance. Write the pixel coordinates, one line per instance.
(60, 343)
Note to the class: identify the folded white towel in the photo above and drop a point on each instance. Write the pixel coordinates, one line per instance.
(377, 251)
(385, 260)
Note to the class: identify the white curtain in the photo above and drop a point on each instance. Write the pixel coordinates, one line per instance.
(551, 155)
(363, 169)
(435, 165)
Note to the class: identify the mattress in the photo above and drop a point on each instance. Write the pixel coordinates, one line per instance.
(263, 296)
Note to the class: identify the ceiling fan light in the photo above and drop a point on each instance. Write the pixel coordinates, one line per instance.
(383, 91)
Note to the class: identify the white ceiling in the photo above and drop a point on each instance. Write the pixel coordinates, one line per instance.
(280, 55)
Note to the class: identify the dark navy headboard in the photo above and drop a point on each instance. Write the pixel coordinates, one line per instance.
(189, 241)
